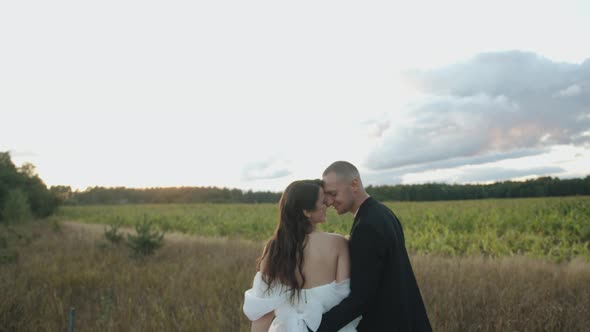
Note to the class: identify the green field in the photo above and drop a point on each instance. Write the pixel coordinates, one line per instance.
(557, 229)
(537, 280)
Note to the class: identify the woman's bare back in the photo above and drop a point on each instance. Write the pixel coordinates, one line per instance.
(326, 259)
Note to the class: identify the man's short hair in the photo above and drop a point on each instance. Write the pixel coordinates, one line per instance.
(343, 169)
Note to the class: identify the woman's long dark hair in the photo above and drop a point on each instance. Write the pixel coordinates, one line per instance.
(284, 251)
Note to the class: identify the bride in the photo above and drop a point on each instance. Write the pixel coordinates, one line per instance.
(302, 272)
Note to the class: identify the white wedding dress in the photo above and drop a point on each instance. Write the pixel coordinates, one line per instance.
(289, 317)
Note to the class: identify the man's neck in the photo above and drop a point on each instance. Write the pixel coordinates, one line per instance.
(358, 202)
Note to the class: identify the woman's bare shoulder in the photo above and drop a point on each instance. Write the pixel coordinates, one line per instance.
(333, 239)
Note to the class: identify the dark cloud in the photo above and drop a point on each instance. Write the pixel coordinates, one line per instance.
(464, 175)
(264, 171)
(394, 176)
(487, 174)
(494, 104)
(462, 161)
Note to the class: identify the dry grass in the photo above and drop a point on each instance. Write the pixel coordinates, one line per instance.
(508, 294)
(197, 284)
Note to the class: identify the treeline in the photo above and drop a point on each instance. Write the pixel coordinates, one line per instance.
(23, 195)
(122, 195)
(541, 187)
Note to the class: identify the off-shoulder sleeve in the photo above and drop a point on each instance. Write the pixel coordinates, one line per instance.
(342, 289)
(334, 293)
(259, 301)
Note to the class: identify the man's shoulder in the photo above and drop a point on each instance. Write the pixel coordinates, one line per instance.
(379, 218)
(370, 226)
(377, 211)
(381, 206)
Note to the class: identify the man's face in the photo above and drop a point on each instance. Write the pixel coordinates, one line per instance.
(338, 193)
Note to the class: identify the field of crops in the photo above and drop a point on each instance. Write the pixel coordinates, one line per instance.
(554, 228)
(537, 280)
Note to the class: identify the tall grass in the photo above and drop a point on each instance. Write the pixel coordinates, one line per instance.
(196, 284)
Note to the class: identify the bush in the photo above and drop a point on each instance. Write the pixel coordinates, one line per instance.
(16, 209)
(111, 233)
(147, 240)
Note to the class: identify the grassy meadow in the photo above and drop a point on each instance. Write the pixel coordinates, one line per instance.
(557, 229)
(490, 265)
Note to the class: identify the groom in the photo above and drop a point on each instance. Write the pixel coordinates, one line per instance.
(383, 287)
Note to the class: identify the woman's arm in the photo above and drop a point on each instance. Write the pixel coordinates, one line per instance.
(263, 323)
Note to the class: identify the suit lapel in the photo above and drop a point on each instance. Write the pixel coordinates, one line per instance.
(359, 214)
(355, 222)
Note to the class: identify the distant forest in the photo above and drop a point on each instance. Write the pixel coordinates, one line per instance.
(540, 187)
(23, 195)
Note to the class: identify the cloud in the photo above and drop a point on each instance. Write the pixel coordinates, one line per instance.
(264, 171)
(382, 178)
(481, 174)
(512, 74)
(375, 128)
(461, 175)
(396, 176)
(570, 91)
(488, 174)
(477, 160)
(492, 105)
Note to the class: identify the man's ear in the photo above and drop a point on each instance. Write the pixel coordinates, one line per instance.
(355, 184)
(307, 213)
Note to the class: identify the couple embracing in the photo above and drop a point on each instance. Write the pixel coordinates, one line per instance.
(314, 281)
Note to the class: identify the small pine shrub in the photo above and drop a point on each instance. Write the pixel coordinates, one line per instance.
(112, 234)
(147, 239)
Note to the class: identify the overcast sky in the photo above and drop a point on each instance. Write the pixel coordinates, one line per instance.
(256, 94)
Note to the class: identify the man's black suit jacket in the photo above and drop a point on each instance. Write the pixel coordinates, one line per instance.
(383, 287)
